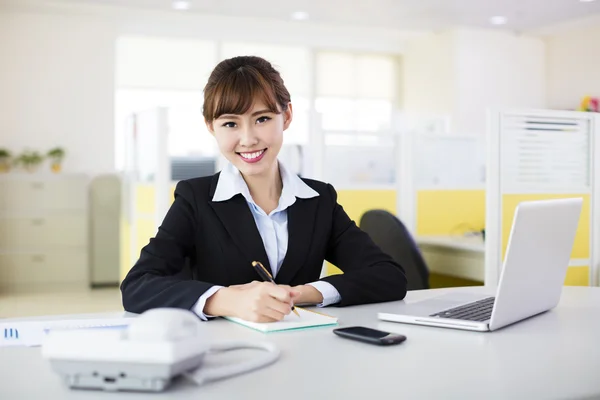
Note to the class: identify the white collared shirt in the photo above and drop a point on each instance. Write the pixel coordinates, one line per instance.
(272, 227)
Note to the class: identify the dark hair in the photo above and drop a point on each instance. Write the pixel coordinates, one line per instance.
(236, 83)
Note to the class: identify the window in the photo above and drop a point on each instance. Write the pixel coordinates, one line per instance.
(355, 100)
(165, 72)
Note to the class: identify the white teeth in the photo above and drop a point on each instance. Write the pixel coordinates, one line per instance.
(251, 156)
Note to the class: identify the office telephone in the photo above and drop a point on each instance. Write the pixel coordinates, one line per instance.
(157, 346)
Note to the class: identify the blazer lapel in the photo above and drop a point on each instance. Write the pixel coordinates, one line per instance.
(301, 223)
(237, 219)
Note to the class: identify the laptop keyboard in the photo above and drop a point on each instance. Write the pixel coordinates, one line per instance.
(480, 311)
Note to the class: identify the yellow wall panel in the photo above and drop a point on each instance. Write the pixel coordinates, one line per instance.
(144, 196)
(145, 205)
(578, 276)
(144, 230)
(446, 212)
(357, 202)
(581, 247)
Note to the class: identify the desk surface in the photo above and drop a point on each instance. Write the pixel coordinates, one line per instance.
(471, 243)
(554, 355)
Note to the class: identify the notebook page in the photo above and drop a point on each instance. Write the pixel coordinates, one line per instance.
(307, 319)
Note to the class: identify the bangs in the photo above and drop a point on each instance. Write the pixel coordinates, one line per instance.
(237, 92)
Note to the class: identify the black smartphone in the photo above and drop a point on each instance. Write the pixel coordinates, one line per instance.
(369, 335)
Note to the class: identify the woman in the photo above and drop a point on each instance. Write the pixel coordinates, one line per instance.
(256, 210)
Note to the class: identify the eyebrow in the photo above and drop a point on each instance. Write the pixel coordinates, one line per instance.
(254, 114)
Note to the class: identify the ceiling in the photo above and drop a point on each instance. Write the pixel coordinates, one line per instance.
(396, 14)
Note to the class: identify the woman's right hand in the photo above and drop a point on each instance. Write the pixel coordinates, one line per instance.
(255, 301)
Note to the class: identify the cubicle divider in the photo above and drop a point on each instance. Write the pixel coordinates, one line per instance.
(449, 212)
(146, 181)
(442, 179)
(538, 155)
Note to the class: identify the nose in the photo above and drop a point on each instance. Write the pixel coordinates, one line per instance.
(248, 137)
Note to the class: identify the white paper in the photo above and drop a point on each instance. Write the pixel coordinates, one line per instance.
(307, 319)
(31, 333)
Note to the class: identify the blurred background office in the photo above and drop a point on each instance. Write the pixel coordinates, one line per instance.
(100, 116)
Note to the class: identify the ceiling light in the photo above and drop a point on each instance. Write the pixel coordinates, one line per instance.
(181, 5)
(498, 20)
(586, 1)
(300, 15)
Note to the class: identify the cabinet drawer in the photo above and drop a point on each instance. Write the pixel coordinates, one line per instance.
(50, 231)
(50, 195)
(50, 268)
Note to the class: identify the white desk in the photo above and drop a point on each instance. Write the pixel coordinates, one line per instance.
(552, 356)
(458, 256)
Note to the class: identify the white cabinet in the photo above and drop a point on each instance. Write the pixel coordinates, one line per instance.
(37, 270)
(68, 230)
(44, 231)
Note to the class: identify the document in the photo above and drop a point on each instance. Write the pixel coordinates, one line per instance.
(31, 333)
(307, 319)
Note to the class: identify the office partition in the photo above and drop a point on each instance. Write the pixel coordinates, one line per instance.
(441, 178)
(543, 154)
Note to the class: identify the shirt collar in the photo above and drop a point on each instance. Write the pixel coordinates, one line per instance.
(232, 183)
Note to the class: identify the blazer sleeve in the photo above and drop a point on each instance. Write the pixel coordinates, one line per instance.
(370, 275)
(153, 281)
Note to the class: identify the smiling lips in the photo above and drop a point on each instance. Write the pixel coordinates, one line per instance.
(253, 157)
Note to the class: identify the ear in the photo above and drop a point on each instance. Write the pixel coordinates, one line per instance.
(288, 115)
(210, 127)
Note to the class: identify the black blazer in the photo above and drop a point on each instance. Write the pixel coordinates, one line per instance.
(219, 240)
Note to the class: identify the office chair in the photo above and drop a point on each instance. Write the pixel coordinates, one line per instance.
(392, 237)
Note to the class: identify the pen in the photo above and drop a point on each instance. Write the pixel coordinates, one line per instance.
(266, 276)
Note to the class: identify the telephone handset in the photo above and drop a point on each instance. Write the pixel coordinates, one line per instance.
(156, 346)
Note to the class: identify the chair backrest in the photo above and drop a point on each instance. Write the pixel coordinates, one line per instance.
(392, 237)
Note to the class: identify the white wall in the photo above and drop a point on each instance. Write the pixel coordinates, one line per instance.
(496, 69)
(463, 72)
(57, 75)
(429, 74)
(573, 60)
(58, 60)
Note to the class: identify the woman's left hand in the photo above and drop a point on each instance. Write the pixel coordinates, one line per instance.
(308, 294)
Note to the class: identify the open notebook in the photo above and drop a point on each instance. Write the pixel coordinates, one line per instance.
(307, 319)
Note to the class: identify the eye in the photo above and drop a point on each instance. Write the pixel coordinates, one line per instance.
(262, 120)
(229, 124)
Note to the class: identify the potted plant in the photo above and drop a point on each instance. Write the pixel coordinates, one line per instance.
(56, 156)
(30, 160)
(4, 160)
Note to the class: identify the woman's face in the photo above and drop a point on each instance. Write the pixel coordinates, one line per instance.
(251, 141)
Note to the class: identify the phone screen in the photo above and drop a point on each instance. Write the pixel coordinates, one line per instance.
(366, 332)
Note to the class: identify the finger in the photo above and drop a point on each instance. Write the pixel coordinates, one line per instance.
(274, 314)
(278, 306)
(264, 319)
(279, 293)
(258, 317)
(268, 308)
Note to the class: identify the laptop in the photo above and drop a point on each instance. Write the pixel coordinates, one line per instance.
(537, 257)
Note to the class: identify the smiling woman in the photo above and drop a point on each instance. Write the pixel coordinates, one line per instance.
(255, 209)
(247, 108)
